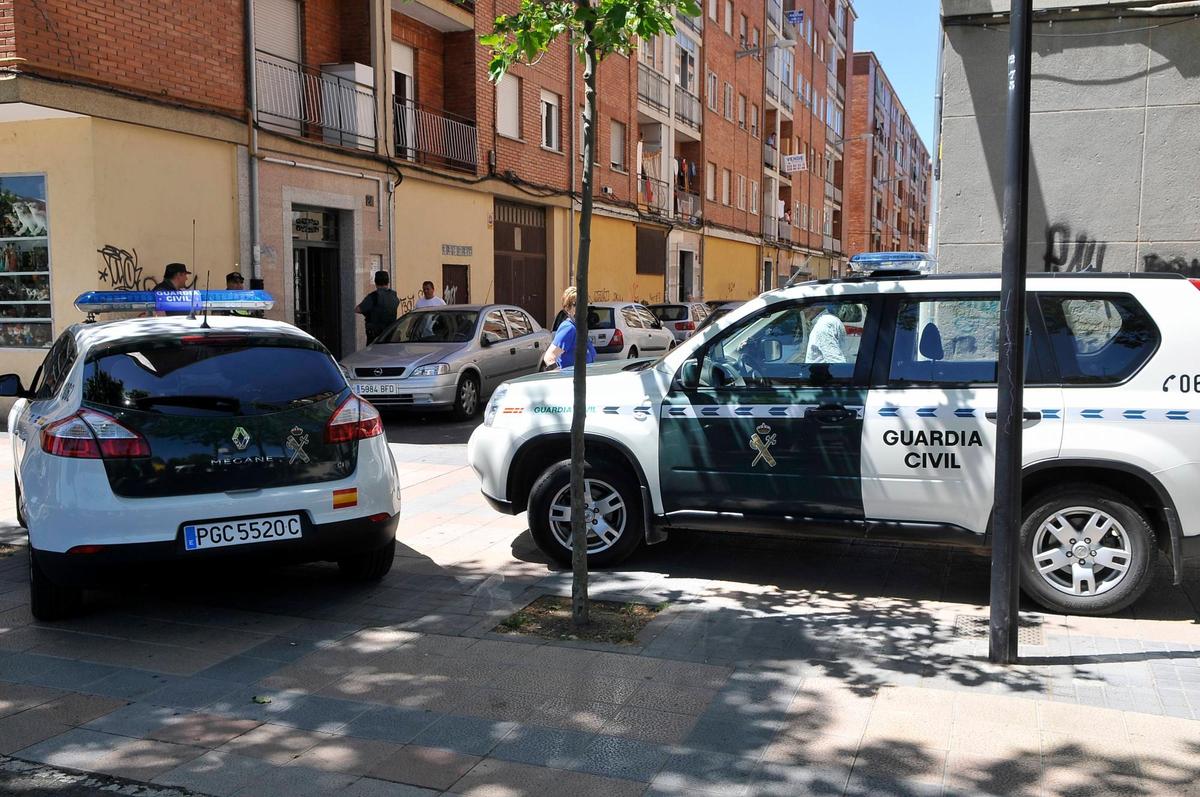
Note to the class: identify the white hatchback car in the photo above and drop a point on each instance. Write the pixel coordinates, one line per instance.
(149, 441)
(625, 331)
(866, 408)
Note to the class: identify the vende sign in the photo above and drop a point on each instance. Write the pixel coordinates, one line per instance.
(795, 163)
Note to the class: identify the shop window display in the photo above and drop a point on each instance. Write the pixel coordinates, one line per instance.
(24, 262)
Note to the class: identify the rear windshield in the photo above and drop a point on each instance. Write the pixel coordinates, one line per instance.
(601, 318)
(199, 379)
(446, 326)
(670, 312)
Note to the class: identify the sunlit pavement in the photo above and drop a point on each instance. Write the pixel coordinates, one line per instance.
(778, 669)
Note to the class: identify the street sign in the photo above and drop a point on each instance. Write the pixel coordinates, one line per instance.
(795, 163)
(796, 17)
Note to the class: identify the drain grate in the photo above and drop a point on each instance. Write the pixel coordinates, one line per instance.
(1029, 629)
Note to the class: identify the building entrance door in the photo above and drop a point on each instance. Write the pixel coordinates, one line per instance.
(317, 278)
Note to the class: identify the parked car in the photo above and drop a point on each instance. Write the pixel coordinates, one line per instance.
(865, 408)
(720, 311)
(448, 357)
(681, 319)
(713, 304)
(147, 442)
(624, 330)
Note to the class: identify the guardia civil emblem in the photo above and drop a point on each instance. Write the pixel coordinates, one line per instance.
(761, 442)
(295, 443)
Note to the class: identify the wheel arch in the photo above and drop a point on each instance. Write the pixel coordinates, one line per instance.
(1137, 484)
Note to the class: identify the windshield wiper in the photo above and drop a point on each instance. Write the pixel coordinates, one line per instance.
(216, 403)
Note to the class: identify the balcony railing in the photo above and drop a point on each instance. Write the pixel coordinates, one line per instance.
(654, 196)
(654, 89)
(687, 107)
(785, 231)
(786, 97)
(770, 156)
(430, 135)
(772, 83)
(304, 100)
(775, 13)
(770, 229)
(695, 23)
(687, 206)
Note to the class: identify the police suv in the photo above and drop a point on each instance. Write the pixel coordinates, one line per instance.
(193, 438)
(866, 408)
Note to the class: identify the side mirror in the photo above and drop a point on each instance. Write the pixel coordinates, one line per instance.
(772, 350)
(489, 339)
(689, 375)
(11, 387)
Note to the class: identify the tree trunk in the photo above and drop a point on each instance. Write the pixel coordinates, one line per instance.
(580, 498)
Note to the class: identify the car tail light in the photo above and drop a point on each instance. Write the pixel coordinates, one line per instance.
(354, 419)
(1196, 283)
(93, 435)
(617, 341)
(687, 326)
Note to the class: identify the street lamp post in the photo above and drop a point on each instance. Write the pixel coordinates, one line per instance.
(782, 44)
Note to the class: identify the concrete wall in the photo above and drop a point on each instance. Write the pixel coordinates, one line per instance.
(731, 269)
(1115, 166)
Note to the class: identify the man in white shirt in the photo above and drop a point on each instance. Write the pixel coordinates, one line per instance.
(826, 336)
(428, 297)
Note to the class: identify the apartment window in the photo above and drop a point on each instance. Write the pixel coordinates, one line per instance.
(754, 37)
(742, 111)
(754, 197)
(741, 192)
(754, 120)
(729, 17)
(508, 106)
(550, 121)
(617, 145)
(712, 9)
(802, 217)
(742, 25)
(712, 91)
(726, 176)
(710, 182)
(729, 102)
(685, 63)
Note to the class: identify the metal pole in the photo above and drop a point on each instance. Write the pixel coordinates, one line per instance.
(252, 148)
(1006, 512)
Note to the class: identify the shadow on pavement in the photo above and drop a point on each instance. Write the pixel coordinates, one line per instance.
(427, 428)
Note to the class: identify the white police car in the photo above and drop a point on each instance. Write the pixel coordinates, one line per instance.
(193, 439)
(865, 408)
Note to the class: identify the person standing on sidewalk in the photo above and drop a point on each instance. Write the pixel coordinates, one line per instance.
(561, 353)
(428, 296)
(379, 307)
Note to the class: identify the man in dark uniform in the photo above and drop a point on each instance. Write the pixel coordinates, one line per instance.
(175, 278)
(379, 307)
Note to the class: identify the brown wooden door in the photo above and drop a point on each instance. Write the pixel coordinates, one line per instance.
(455, 286)
(520, 259)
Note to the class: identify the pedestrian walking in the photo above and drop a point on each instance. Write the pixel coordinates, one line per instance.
(428, 297)
(379, 307)
(561, 352)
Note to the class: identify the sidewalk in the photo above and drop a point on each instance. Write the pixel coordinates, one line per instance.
(778, 669)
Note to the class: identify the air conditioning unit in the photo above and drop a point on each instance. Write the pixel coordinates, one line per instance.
(348, 105)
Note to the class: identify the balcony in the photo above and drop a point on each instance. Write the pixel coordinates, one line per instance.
(785, 231)
(695, 23)
(305, 101)
(654, 89)
(787, 97)
(687, 207)
(654, 196)
(687, 107)
(772, 83)
(770, 228)
(435, 137)
(770, 156)
(775, 14)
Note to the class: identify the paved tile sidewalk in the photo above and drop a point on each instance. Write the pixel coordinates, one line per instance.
(788, 669)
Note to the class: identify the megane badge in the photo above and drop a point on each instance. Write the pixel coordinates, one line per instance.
(295, 443)
(241, 439)
(761, 442)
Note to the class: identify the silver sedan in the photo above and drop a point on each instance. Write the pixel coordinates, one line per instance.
(449, 357)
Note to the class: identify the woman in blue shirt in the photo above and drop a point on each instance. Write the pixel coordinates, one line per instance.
(562, 350)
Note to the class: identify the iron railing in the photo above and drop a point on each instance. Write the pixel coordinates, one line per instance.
(770, 156)
(695, 23)
(654, 196)
(654, 89)
(687, 107)
(304, 100)
(687, 206)
(431, 135)
(786, 96)
(775, 13)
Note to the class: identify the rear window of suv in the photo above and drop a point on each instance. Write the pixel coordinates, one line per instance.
(211, 378)
(670, 312)
(1098, 339)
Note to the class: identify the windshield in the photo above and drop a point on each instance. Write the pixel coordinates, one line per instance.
(238, 378)
(437, 326)
(670, 312)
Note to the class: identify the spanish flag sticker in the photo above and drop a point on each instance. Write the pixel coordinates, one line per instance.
(344, 499)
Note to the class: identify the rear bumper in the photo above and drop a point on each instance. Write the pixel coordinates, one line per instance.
(121, 563)
(501, 505)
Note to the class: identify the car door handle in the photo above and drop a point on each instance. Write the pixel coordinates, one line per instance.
(537, 345)
(828, 413)
(1027, 415)
(512, 351)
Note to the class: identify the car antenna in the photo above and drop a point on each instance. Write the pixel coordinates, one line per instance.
(207, 285)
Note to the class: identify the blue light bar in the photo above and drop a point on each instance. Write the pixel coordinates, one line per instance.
(172, 301)
(882, 262)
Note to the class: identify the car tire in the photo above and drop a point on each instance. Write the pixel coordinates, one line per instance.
(633, 352)
(466, 398)
(554, 485)
(369, 566)
(49, 600)
(1126, 541)
(20, 510)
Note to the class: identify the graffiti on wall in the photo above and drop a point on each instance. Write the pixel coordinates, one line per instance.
(120, 270)
(1082, 253)
(1176, 264)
